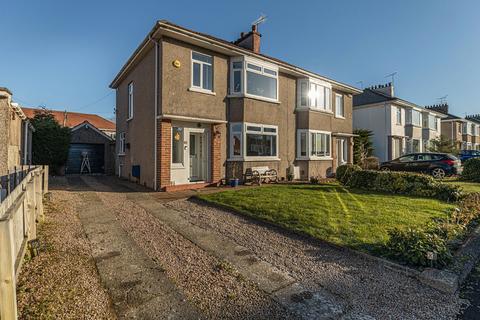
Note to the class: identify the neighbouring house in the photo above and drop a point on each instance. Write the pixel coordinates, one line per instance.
(398, 126)
(193, 109)
(93, 137)
(464, 132)
(15, 134)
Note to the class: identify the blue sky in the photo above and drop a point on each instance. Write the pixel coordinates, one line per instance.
(64, 54)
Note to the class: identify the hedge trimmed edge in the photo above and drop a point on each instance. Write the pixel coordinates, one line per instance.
(398, 183)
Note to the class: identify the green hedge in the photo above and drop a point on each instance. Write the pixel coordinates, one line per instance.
(471, 170)
(411, 246)
(398, 183)
(344, 172)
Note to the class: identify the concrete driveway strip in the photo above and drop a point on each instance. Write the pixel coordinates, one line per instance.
(138, 288)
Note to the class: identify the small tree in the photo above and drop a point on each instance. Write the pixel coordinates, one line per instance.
(50, 141)
(443, 145)
(362, 145)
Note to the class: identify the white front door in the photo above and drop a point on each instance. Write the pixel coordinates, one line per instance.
(197, 156)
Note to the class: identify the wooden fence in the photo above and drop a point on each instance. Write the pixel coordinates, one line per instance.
(19, 212)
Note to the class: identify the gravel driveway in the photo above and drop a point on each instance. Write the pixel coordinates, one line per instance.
(219, 291)
(367, 287)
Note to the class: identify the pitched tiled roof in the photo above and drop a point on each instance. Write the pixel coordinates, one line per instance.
(228, 44)
(72, 119)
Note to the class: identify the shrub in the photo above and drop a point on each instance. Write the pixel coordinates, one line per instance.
(371, 163)
(344, 172)
(50, 141)
(314, 180)
(402, 183)
(412, 246)
(471, 170)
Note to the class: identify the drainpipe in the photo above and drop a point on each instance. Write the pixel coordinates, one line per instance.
(25, 141)
(155, 117)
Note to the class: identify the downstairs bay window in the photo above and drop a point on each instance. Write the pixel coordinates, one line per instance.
(249, 141)
(314, 145)
(253, 78)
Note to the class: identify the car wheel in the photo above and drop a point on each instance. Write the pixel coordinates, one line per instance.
(385, 169)
(438, 173)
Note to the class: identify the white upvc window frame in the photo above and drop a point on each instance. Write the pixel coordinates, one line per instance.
(305, 99)
(202, 64)
(130, 102)
(309, 156)
(398, 115)
(121, 144)
(243, 140)
(243, 71)
(410, 118)
(342, 99)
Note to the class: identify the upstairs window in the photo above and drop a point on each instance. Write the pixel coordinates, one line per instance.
(399, 115)
(261, 81)
(314, 95)
(254, 78)
(339, 107)
(130, 101)
(414, 117)
(202, 71)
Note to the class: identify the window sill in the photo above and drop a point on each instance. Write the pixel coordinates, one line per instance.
(177, 166)
(339, 117)
(314, 110)
(199, 90)
(253, 97)
(121, 154)
(314, 158)
(251, 159)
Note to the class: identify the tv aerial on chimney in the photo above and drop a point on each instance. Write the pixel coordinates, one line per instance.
(393, 74)
(260, 20)
(443, 99)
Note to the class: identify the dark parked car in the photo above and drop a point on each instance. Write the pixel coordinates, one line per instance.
(468, 154)
(439, 165)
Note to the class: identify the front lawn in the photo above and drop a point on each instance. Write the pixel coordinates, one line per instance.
(468, 187)
(353, 218)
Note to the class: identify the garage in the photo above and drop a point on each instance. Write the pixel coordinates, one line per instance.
(83, 152)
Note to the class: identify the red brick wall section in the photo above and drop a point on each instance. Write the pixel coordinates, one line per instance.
(216, 156)
(164, 149)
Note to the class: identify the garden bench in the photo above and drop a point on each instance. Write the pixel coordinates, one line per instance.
(260, 175)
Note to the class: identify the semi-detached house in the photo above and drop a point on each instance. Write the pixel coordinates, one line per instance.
(193, 109)
(463, 132)
(398, 126)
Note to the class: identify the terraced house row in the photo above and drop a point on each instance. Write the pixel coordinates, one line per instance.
(193, 109)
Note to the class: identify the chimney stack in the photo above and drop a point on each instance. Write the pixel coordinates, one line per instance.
(442, 108)
(386, 89)
(250, 40)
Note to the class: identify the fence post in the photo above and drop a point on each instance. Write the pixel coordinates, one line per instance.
(8, 182)
(39, 193)
(8, 299)
(45, 179)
